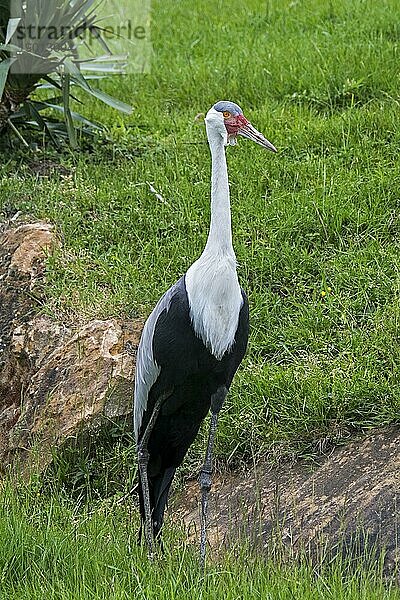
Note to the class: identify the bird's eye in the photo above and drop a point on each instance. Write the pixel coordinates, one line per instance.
(226, 114)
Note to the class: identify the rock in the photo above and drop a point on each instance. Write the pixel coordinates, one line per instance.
(83, 379)
(348, 504)
(28, 244)
(22, 252)
(20, 279)
(56, 381)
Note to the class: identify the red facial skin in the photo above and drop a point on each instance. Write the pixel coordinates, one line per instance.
(233, 124)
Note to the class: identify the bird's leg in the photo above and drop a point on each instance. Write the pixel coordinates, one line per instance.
(205, 487)
(143, 461)
(206, 471)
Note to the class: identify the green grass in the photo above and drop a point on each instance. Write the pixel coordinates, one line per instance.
(316, 227)
(50, 548)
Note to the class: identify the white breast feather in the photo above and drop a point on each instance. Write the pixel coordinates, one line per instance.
(215, 300)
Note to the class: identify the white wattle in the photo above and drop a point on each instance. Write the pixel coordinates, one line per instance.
(212, 285)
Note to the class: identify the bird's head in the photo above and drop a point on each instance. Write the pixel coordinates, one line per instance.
(228, 120)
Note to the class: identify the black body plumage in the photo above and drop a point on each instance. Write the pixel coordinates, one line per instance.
(189, 376)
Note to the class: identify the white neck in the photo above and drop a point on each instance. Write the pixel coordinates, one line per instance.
(220, 235)
(212, 284)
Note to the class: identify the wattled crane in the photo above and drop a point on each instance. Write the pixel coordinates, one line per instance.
(192, 344)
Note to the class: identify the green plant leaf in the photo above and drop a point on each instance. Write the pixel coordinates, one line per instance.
(76, 116)
(10, 48)
(69, 122)
(78, 79)
(35, 114)
(54, 83)
(4, 69)
(17, 133)
(105, 64)
(11, 28)
(106, 98)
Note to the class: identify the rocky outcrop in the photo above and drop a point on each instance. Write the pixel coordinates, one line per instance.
(348, 504)
(56, 381)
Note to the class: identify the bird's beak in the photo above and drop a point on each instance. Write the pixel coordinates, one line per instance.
(248, 131)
